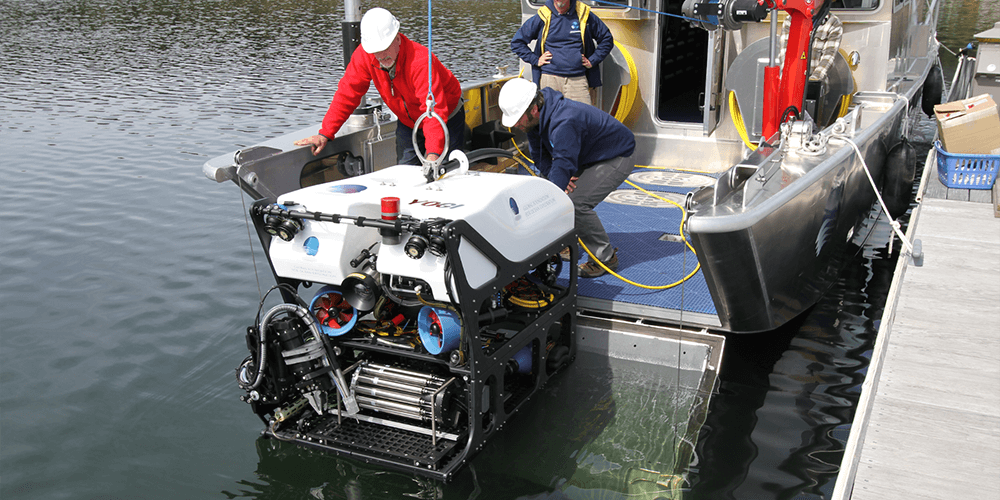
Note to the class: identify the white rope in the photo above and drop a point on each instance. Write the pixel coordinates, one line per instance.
(246, 218)
(906, 116)
(892, 222)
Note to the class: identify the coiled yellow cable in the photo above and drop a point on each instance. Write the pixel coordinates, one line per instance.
(741, 128)
(686, 243)
(845, 105)
(629, 90)
(624, 108)
(530, 304)
(681, 231)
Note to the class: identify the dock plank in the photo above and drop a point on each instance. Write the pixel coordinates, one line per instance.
(932, 465)
(934, 430)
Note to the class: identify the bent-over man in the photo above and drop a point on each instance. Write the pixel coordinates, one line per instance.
(398, 67)
(577, 147)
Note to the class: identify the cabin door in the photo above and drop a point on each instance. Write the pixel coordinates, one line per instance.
(689, 70)
(713, 102)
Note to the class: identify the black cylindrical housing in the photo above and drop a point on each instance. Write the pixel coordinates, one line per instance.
(351, 31)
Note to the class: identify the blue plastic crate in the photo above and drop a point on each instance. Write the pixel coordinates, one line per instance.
(966, 171)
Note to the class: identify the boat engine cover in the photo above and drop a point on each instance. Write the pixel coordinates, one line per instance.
(518, 215)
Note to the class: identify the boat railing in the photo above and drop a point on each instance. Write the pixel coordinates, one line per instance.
(932, 13)
(961, 82)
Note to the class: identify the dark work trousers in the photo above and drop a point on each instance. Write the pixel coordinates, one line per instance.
(405, 152)
(596, 182)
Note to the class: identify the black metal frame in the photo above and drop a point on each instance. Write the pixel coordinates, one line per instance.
(491, 397)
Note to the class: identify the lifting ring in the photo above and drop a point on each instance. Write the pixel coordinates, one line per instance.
(416, 127)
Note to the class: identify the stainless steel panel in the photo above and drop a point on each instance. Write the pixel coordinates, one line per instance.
(769, 257)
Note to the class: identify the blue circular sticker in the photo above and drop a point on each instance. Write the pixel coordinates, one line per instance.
(311, 246)
(347, 188)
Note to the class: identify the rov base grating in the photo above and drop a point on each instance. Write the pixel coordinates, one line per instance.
(353, 435)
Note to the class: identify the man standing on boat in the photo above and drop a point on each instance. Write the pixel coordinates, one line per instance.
(578, 147)
(572, 42)
(398, 67)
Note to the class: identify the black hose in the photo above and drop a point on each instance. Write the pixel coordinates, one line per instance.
(483, 153)
(474, 156)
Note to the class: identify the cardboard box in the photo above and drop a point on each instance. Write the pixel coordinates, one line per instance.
(969, 126)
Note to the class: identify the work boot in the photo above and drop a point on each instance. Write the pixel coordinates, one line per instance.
(564, 254)
(591, 269)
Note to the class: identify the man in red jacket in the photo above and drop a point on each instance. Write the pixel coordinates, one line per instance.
(398, 67)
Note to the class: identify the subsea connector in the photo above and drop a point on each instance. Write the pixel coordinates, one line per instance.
(282, 414)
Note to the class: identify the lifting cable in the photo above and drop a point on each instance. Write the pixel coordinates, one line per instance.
(431, 103)
(246, 218)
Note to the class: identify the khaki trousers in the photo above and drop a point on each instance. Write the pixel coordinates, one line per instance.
(572, 87)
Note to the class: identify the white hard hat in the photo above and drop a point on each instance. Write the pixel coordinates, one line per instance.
(378, 30)
(515, 97)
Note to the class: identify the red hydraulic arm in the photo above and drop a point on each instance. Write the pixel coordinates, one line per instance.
(784, 92)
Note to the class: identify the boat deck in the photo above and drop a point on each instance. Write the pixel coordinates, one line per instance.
(928, 423)
(646, 231)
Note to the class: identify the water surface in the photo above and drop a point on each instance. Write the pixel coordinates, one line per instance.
(128, 278)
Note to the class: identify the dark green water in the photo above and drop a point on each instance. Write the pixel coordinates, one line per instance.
(127, 276)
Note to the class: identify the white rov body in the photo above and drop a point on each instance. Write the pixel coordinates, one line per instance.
(518, 215)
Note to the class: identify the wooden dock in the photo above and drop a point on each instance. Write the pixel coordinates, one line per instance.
(928, 420)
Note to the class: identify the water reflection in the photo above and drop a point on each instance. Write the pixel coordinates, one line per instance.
(289, 471)
(127, 277)
(959, 21)
(597, 430)
(780, 422)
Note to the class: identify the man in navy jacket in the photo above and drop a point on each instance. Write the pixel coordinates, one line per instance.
(572, 42)
(579, 148)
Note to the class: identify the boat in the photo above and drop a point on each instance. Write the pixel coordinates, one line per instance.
(437, 319)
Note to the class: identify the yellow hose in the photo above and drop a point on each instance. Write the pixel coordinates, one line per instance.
(629, 90)
(741, 128)
(530, 304)
(624, 108)
(686, 243)
(681, 231)
(845, 105)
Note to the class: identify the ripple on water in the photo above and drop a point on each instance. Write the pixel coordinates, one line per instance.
(128, 278)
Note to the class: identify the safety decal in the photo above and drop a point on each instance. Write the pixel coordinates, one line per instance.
(436, 204)
(311, 246)
(347, 188)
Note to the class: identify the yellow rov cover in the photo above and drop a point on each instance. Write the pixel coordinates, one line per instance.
(969, 126)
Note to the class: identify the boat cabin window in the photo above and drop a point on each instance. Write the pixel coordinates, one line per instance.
(837, 4)
(604, 4)
(856, 4)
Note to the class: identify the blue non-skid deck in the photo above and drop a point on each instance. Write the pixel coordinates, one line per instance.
(637, 224)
